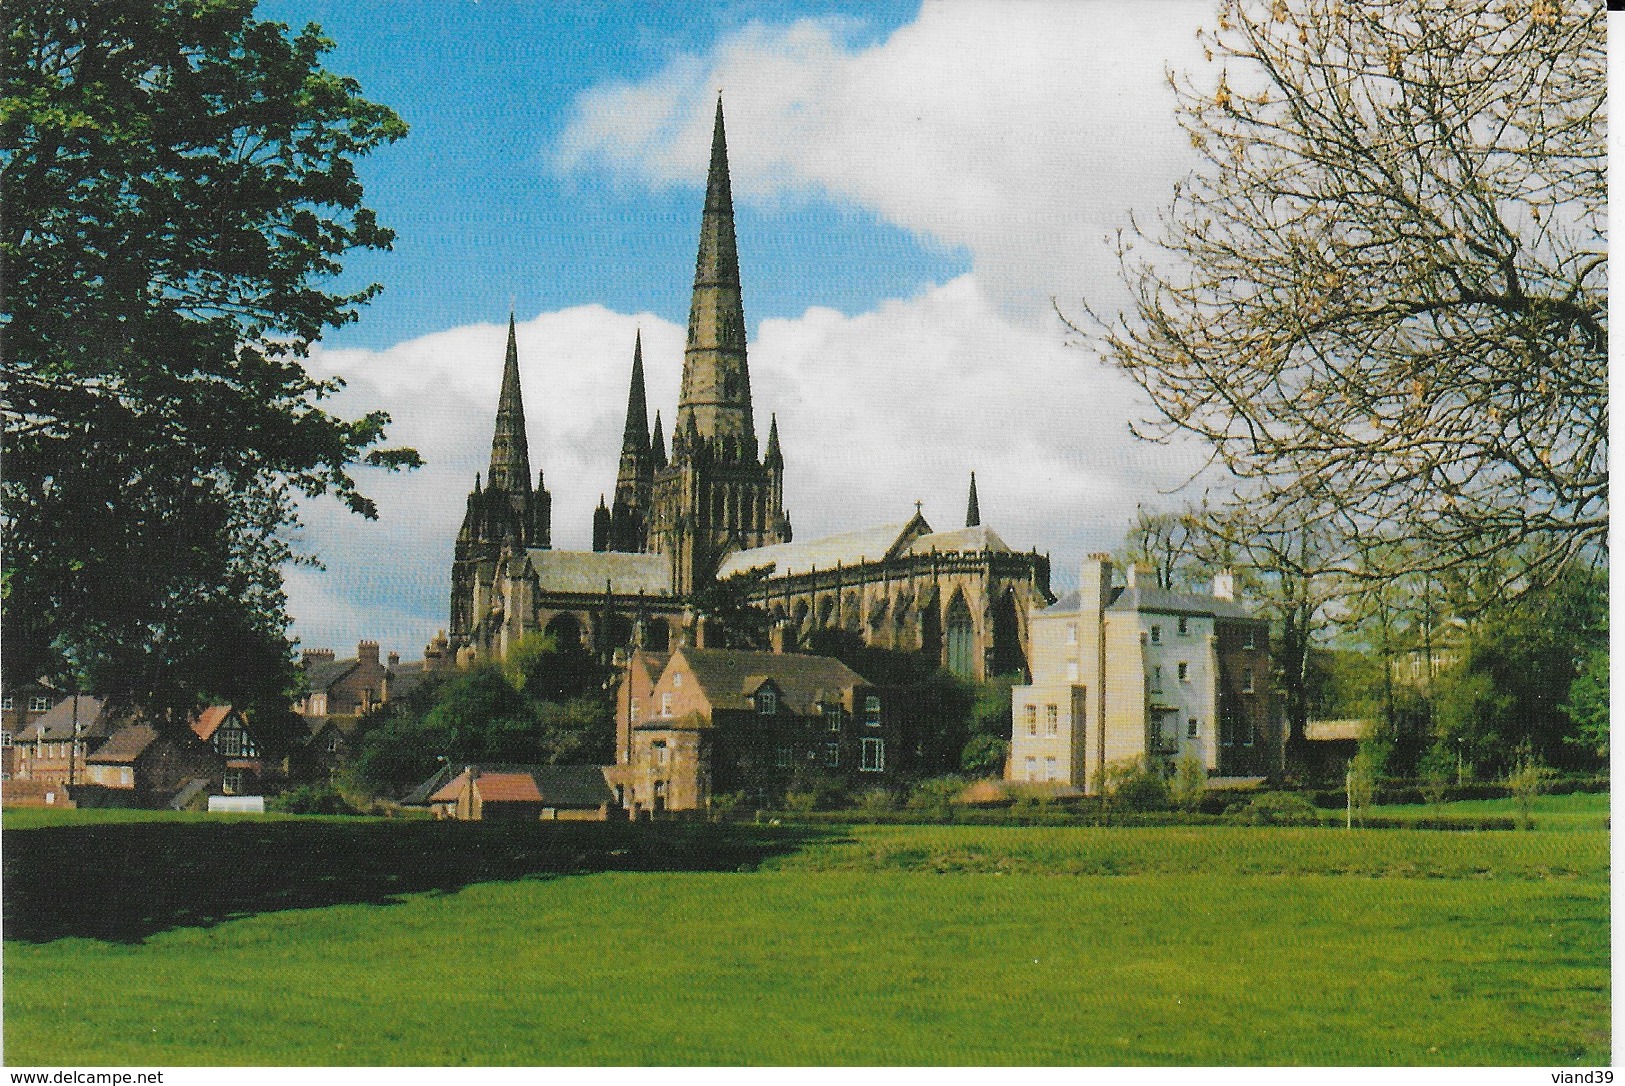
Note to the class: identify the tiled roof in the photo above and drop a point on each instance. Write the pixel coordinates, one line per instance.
(846, 549)
(319, 678)
(424, 792)
(587, 572)
(208, 721)
(550, 785)
(126, 745)
(726, 674)
(509, 788)
(56, 723)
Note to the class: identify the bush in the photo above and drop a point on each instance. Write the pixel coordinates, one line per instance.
(1275, 809)
(876, 799)
(320, 799)
(1133, 785)
(1190, 782)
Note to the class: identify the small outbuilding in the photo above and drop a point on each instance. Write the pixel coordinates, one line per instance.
(518, 793)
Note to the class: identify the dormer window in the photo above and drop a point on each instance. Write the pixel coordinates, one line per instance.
(677, 680)
(767, 701)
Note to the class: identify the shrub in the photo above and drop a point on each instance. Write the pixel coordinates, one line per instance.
(1528, 780)
(1189, 783)
(1132, 785)
(876, 799)
(322, 799)
(724, 804)
(1275, 809)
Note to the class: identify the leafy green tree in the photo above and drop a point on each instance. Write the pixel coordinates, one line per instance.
(179, 185)
(1520, 661)
(1528, 779)
(1587, 706)
(1436, 770)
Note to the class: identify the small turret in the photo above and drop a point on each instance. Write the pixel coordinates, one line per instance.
(657, 444)
(973, 510)
(600, 526)
(773, 458)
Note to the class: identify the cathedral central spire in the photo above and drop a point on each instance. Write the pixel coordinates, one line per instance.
(510, 451)
(716, 378)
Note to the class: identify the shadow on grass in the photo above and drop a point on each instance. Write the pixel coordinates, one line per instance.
(122, 883)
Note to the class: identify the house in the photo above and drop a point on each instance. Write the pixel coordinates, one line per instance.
(700, 721)
(21, 706)
(52, 749)
(248, 767)
(150, 765)
(337, 694)
(524, 793)
(1136, 671)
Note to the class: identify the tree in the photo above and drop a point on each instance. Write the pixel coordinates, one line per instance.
(179, 182)
(1380, 297)
(1587, 705)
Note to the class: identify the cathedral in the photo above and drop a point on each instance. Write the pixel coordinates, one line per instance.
(713, 509)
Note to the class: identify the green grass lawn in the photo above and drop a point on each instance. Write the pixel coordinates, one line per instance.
(878, 944)
(1579, 811)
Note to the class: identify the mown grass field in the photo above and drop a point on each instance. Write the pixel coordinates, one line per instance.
(422, 943)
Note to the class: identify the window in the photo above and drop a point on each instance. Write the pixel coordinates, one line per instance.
(767, 702)
(1247, 734)
(333, 743)
(5, 740)
(1032, 769)
(1051, 772)
(660, 752)
(1247, 680)
(38, 704)
(1156, 635)
(665, 704)
(7, 703)
(1052, 719)
(234, 743)
(1250, 639)
(1184, 626)
(677, 681)
(874, 755)
(832, 717)
(235, 782)
(1156, 678)
(318, 705)
(632, 711)
(1029, 716)
(1190, 728)
(832, 755)
(1184, 672)
(871, 711)
(1071, 671)
(1071, 633)
(781, 757)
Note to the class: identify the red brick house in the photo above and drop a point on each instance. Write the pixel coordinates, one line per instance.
(250, 767)
(150, 766)
(53, 748)
(21, 706)
(702, 721)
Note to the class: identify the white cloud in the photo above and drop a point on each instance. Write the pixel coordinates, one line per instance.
(875, 411)
(1022, 131)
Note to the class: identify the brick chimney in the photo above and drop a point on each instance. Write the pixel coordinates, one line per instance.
(1224, 585)
(394, 659)
(367, 652)
(315, 656)
(1095, 584)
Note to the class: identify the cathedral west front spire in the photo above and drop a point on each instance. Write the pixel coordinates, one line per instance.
(716, 377)
(510, 451)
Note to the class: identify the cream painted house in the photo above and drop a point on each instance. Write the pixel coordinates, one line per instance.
(1165, 672)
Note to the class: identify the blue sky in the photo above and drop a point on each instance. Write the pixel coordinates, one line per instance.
(917, 188)
(487, 89)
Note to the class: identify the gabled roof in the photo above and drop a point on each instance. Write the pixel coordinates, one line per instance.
(729, 676)
(56, 723)
(588, 572)
(126, 745)
(319, 678)
(209, 720)
(550, 785)
(846, 549)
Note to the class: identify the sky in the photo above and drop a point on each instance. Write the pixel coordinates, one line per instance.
(918, 189)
